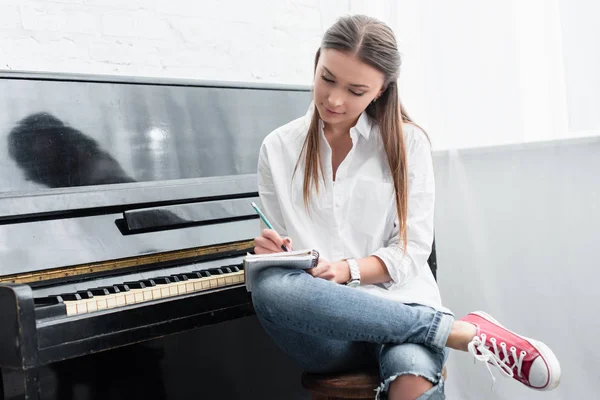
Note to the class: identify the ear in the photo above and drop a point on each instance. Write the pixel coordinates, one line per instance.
(383, 89)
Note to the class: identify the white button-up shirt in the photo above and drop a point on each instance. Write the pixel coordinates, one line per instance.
(355, 215)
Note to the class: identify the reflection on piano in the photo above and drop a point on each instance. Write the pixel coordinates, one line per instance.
(57, 155)
(98, 261)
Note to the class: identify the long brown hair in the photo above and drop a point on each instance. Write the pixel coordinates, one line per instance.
(374, 43)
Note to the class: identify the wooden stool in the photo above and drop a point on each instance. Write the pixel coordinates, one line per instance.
(349, 385)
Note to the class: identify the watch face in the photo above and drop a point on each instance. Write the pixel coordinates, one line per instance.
(353, 283)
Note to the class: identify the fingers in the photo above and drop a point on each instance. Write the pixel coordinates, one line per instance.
(323, 271)
(262, 250)
(263, 245)
(273, 236)
(318, 270)
(288, 243)
(270, 242)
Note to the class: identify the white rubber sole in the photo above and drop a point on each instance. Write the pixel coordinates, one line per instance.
(542, 348)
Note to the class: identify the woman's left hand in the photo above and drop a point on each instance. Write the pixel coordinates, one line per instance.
(338, 271)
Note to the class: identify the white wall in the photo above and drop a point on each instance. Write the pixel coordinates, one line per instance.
(501, 71)
(484, 73)
(270, 41)
(474, 73)
(516, 236)
(581, 44)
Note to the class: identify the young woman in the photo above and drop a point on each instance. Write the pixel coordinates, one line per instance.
(354, 180)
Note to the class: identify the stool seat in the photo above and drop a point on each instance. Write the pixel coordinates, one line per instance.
(359, 384)
(346, 385)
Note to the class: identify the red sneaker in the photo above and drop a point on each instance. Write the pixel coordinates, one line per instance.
(530, 362)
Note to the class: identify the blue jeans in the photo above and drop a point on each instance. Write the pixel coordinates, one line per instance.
(329, 327)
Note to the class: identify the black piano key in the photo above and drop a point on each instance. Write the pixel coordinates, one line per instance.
(47, 301)
(148, 282)
(51, 311)
(85, 294)
(180, 277)
(162, 280)
(192, 275)
(122, 287)
(215, 271)
(204, 273)
(136, 285)
(99, 291)
(111, 289)
(71, 296)
(227, 270)
(232, 267)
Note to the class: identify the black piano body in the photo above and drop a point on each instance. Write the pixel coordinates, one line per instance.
(124, 211)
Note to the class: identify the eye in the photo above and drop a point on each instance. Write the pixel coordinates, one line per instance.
(326, 79)
(357, 94)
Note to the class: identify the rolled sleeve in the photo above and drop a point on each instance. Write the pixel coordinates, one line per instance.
(403, 266)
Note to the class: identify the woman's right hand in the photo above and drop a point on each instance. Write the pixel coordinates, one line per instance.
(270, 242)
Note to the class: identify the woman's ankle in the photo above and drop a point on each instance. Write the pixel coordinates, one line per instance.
(461, 334)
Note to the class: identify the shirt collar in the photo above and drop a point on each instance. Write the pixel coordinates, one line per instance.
(363, 125)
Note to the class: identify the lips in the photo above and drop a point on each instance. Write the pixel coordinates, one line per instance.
(332, 112)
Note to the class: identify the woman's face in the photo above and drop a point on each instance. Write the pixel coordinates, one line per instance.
(344, 86)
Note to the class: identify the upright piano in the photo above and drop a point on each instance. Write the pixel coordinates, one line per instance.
(124, 210)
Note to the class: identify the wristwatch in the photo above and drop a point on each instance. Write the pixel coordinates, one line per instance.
(354, 273)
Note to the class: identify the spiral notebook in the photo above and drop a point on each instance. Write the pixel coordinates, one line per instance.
(301, 259)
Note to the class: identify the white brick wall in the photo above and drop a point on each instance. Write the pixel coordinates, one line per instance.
(239, 40)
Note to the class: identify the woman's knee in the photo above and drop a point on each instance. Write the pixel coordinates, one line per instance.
(411, 371)
(408, 387)
(270, 288)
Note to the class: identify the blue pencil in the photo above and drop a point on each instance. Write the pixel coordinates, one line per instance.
(266, 221)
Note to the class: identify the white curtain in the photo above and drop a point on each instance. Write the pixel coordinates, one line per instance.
(484, 73)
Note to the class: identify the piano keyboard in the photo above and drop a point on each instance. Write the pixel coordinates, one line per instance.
(133, 292)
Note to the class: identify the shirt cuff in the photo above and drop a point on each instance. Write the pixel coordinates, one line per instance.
(392, 258)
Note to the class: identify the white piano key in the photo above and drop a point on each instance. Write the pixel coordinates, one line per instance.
(101, 302)
(120, 299)
(160, 291)
(157, 293)
(92, 305)
(237, 277)
(164, 291)
(182, 287)
(138, 295)
(111, 301)
(147, 294)
(129, 297)
(189, 285)
(71, 308)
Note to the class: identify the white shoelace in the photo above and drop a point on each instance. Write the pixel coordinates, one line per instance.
(478, 344)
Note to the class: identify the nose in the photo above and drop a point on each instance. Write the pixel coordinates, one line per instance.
(335, 98)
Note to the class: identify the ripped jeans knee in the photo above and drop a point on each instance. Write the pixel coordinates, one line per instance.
(415, 360)
(435, 393)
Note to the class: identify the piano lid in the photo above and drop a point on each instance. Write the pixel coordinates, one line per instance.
(102, 173)
(59, 131)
